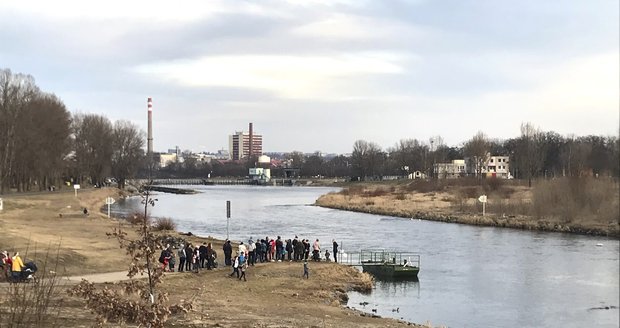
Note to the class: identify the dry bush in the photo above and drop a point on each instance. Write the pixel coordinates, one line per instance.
(377, 192)
(470, 192)
(366, 283)
(493, 184)
(401, 196)
(164, 224)
(572, 198)
(509, 207)
(425, 186)
(352, 191)
(369, 203)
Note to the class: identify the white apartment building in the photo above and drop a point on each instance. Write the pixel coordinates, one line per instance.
(454, 169)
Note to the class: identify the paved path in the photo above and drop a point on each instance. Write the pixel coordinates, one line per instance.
(107, 277)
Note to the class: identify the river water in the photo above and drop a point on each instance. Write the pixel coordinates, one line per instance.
(470, 276)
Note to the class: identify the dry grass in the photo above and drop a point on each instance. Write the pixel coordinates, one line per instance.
(164, 224)
(577, 199)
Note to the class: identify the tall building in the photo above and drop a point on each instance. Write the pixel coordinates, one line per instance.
(245, 144)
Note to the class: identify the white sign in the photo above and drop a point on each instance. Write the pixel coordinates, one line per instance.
(483, 200)
(1, 205)
(109, 201)
(76, 186)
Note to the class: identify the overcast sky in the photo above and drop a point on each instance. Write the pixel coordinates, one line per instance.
(318, 75)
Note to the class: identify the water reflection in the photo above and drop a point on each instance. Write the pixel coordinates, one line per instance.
(404, 288)
(381, 300)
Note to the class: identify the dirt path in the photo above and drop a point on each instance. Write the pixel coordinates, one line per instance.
(99, 278)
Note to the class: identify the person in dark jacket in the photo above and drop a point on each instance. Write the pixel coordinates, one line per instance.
(210, 256)
(279, 248)
(203, 254)
(189, 253)
(306, 249)
(299, 251)
(295, 241)
(335, 251)
(227, 253)
(289, 250)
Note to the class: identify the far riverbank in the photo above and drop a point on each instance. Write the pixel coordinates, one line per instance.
(449, 205)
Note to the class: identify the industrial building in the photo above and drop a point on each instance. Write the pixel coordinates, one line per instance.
(243, 144)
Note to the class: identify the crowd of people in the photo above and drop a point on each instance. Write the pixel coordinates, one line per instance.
(193, 257)
(274, 250)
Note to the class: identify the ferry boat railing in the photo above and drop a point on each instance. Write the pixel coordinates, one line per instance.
(377, 257)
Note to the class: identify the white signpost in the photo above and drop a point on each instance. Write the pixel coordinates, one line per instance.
(76, 187)
(109, 201)
(1, 205)
(483, 200)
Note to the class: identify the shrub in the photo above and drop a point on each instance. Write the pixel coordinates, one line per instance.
(573, 198)
(164, 224)
(401, 196)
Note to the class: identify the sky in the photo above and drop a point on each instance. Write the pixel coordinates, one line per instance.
(319, 75)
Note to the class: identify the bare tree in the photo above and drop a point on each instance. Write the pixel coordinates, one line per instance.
(296, 159)
(530, 153)
(128, 153)
(16, 91)
(476, 150)
(314, 165)
(411, 154)
(92, 136)
(367, 159)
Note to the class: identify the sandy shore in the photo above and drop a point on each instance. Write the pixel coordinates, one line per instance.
(52, 225)
(438, 206)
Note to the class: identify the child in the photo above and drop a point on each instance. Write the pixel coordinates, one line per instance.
(235, 266)
(244, 267)
(306, 271)
(171, 262)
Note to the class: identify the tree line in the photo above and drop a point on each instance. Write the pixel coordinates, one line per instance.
(533, 154)
(43, 145)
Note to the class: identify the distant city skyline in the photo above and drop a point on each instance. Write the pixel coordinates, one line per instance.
(317, 76)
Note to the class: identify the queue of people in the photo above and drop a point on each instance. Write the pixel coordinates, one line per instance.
(278, 250)
(273, 250)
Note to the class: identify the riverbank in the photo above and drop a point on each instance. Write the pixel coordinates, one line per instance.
(458, 204)
(50, 226)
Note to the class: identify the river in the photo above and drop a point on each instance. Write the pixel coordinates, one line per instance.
(470, 276)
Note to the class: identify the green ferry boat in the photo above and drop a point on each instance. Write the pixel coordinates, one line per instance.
(389, 264)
